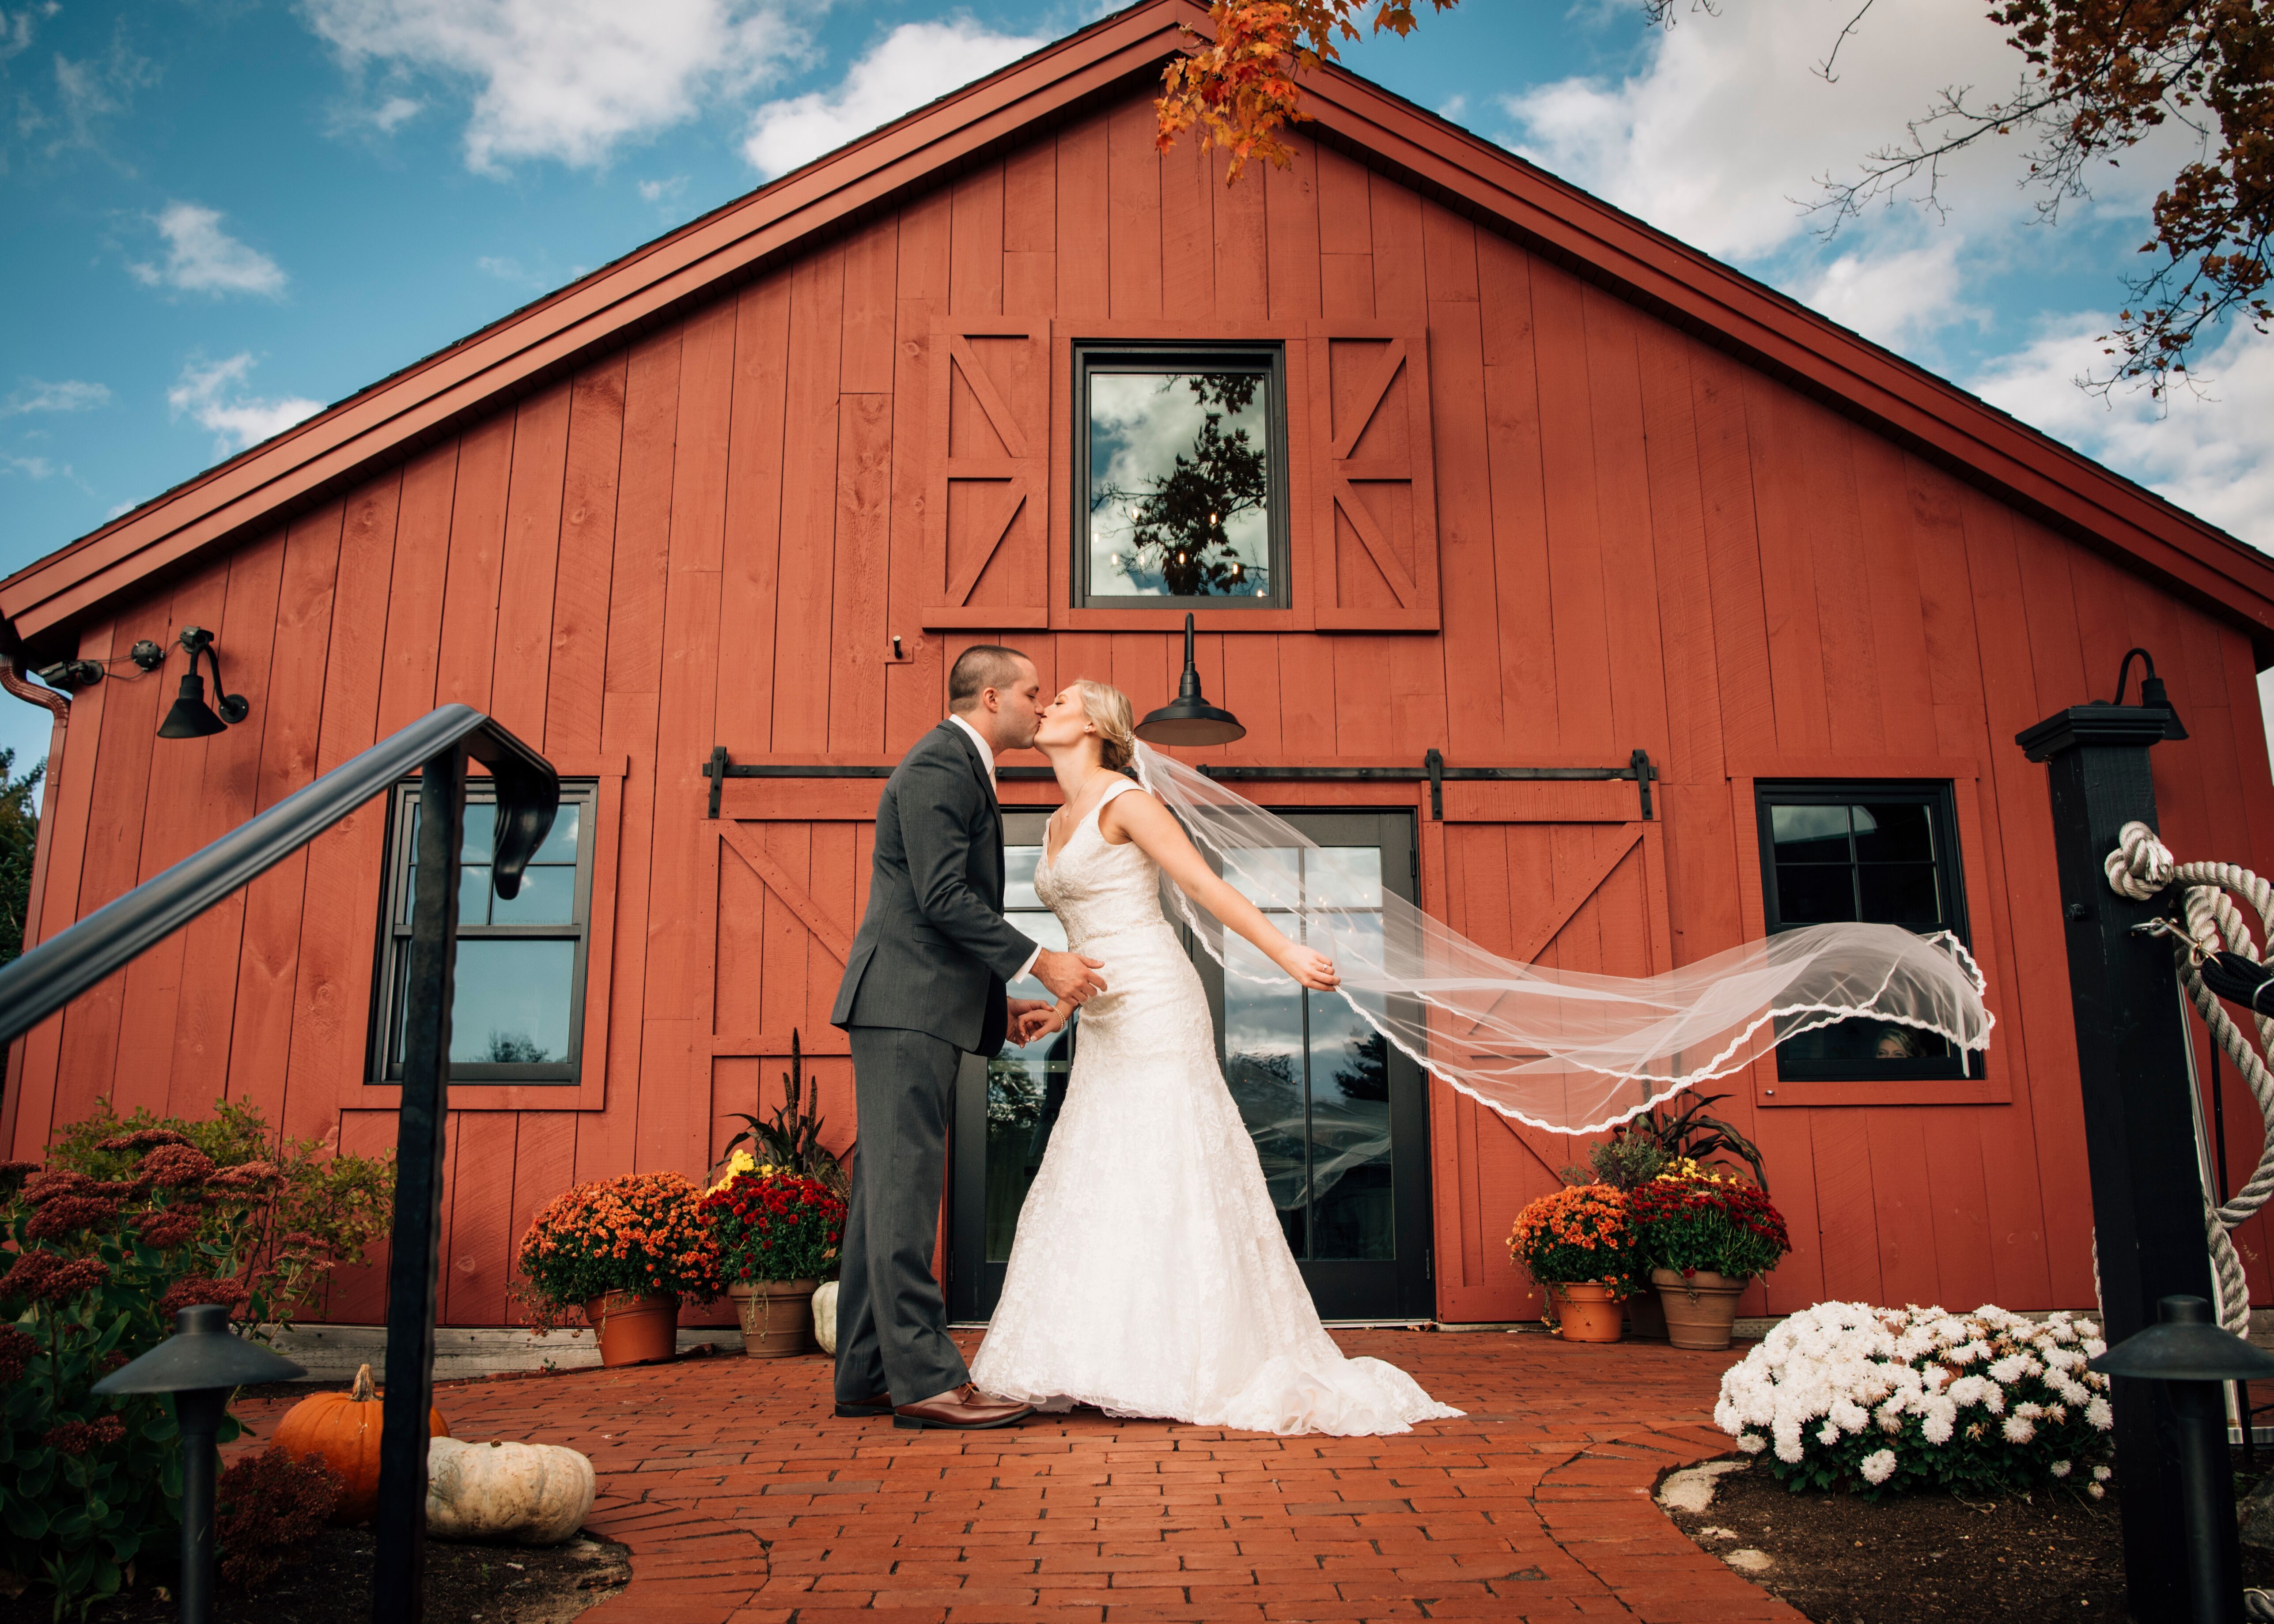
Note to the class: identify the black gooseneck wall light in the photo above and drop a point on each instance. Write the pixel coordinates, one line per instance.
(192, 717)
(1188, 718)
(2152, 696)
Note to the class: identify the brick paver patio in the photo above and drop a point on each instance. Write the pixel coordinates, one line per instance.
(744, 1499)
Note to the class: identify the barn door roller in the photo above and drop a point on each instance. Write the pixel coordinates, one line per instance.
(718, 769)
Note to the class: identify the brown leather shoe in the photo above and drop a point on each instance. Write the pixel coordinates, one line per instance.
(880, 1405)
(967, 1409)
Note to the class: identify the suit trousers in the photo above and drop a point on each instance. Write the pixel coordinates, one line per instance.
(891, 1320)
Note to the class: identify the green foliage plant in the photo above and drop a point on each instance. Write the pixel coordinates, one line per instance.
(19, 838)
(789, 1139)
(1689, 1132)
(318, 1209)
(1623, 1162)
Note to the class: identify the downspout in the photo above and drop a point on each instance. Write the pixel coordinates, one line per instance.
(17, 679)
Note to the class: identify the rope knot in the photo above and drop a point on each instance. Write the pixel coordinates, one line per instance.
(2141, 865)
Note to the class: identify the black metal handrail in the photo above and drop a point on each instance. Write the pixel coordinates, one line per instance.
(51, 975)
(437, 747)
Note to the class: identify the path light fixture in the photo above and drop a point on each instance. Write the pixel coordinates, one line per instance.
(2190, 1357)
(201, 1363)
(2152, 696)
(1188, 718)
(192, 717)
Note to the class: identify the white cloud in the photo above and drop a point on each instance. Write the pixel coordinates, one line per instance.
(567, 79)
(213, 397)
(1723, 135)
(660, 192)
(1891, 296)
(503, 269)
(2212, 452)
(201, 258)
(71, 394)
(30, 466)
(914, 63)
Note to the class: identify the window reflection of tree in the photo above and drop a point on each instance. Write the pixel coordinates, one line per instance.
(1181, 521)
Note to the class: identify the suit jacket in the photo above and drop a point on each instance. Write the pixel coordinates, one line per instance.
(934, 951)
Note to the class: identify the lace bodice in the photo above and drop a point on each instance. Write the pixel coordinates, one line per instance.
(1096, 888)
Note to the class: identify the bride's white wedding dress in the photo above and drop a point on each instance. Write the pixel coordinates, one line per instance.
(1150, 1275)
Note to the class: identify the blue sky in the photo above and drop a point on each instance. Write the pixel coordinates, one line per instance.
(217, 215)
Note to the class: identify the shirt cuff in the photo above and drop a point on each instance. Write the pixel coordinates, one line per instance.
(1029, 965)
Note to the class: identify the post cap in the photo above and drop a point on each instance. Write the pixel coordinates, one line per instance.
(2122, 725)
(202, 1352)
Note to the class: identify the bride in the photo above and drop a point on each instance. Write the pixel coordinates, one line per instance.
(1150, 1275)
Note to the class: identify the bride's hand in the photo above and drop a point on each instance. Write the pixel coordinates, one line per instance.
(1310, 967)
(1039, 1023)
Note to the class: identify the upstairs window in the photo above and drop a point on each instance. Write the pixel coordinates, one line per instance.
(1884, 852)
(517, 1014)
(1183, 500)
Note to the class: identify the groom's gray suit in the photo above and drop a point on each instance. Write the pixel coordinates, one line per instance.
(924, 986)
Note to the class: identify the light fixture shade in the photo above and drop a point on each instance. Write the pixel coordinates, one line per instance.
(1188, 718)
(192, 717)
(203, 1352)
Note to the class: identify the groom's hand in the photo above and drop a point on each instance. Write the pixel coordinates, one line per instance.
(1069, 975)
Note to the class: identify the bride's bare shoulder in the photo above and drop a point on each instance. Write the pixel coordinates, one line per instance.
(1129, 806)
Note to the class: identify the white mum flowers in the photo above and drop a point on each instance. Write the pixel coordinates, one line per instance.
(1847, 1392)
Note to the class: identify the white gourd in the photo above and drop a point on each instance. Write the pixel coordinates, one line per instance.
(824, 1316)
(532, 1495)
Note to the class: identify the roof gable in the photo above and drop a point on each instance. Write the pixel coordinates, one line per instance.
(543, 340)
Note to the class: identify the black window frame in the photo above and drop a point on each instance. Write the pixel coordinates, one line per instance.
(1939, 797)
(1267, 355)
(384, 1069)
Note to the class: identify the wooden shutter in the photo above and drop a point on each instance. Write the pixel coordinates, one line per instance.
(986, 525)
(1375, 540)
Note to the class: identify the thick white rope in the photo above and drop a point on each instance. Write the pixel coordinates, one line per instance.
(2141, 868)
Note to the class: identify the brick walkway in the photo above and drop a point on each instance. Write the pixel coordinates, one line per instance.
(744, 1499)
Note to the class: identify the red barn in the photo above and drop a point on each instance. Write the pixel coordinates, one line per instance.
(1499, 474)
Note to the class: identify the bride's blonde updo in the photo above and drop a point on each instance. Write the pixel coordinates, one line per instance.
(1108, 707)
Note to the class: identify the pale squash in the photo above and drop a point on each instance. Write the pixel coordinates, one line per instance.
(345, 1429)
(824, 1316)
(532, 1495)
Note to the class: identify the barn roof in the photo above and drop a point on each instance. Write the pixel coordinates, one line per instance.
(539, 343)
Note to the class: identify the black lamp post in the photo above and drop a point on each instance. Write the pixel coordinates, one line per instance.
(192, 717)
(200, 1364)
(2189, 1356)
(1188, 718)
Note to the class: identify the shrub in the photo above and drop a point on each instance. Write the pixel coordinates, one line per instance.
(270, 1505)
(1881, 1400)
(306, 1211)
(640, 1233)
(1719, 1223)
(1577, 1235)
(773, 1225)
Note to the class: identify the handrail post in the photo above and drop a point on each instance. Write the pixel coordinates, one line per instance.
(398, 1581)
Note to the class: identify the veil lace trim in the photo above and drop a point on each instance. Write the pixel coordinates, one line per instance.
(1563, 1050)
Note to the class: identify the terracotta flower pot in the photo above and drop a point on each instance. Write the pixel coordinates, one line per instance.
(777, 1317)
(1700, 1307)
(1647, 1316)
(635, 1328)
(1589, 1313)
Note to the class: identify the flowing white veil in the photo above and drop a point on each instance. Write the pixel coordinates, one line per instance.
(1566, 1051)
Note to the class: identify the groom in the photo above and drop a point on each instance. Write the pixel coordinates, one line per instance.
(924, 987)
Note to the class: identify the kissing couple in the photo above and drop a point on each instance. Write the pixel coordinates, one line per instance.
(1150, 1275)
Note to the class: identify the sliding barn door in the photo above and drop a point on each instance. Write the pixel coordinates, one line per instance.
(1566, 876)
(782, 896)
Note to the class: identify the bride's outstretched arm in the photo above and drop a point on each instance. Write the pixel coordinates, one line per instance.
(1145, 821)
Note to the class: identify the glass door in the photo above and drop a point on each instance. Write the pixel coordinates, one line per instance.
(1339, 1117)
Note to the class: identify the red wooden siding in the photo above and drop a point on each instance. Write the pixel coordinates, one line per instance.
(1608, 536)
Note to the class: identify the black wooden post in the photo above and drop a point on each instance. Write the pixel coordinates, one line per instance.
(2139, 1124)
(399, 1579)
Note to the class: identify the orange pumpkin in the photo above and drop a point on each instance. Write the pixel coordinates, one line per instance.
(345, 1429)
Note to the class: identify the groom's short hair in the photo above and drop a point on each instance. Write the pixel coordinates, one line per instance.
(979, 667)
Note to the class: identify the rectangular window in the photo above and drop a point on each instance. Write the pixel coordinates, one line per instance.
(1882, 852)
(1182, 499)
(517, 1014)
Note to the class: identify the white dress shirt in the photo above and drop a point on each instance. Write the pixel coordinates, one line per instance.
(987, 755)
